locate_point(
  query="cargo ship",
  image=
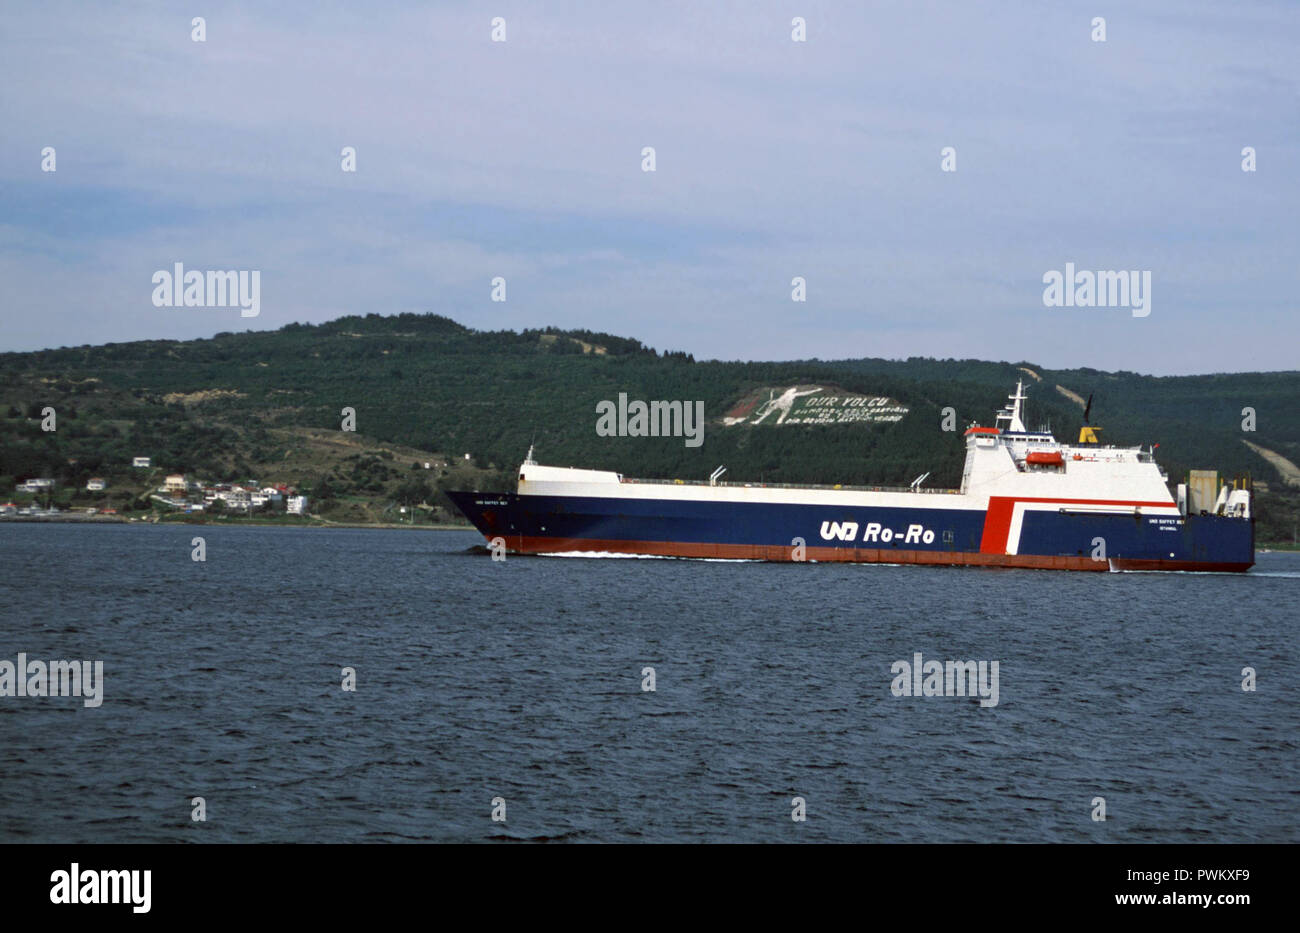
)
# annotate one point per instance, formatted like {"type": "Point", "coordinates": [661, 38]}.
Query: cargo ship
{"type": "Point", "coordinates": [1026, 500]}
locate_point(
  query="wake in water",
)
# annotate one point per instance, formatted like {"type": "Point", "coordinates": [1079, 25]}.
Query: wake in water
{"type": "Point", "coordinates": [709, 560]}
{"type": "Point", "coordinates": [482, 549]}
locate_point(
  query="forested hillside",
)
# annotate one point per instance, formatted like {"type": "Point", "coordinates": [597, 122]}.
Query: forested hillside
{"type": "Point", "coordinates": [238, 403]}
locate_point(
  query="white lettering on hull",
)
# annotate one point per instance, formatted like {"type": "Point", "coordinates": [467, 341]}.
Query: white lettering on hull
{"type": "Point", "coordinates": [876, 533]}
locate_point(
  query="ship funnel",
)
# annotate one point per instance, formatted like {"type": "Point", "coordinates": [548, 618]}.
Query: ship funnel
{"type": "Point", "coordinates": [1088, 433]}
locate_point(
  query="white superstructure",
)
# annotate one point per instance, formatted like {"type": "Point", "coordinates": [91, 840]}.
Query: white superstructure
{"type": "Point", "coordinates": [1003, 461]}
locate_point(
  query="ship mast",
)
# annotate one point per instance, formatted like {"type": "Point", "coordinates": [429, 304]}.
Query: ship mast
{"type": "Point", "coordinates": [1014, 416]}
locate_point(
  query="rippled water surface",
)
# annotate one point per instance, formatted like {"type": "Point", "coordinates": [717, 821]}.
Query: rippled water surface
{"type": "Point", "coordinates": [522, 680]}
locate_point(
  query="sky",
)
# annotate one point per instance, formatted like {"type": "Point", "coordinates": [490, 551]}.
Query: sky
{"type": "Point", "coordinates": [774, 159]}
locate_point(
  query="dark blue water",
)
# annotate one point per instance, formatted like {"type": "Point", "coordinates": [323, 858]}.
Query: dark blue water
{"type": "Point", "coordinates": [522, 680]}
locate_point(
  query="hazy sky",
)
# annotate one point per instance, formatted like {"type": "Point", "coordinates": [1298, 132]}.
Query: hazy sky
{"type": "Point", "coordinates": [774, 159]}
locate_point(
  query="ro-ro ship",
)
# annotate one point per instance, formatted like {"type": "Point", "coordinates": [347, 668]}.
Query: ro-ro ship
{"type": "Point", "coordinates": [1026, 500]}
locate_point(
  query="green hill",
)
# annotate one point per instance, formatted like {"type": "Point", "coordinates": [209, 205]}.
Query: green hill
{"type": "Point", "coordinates": [425, 388]}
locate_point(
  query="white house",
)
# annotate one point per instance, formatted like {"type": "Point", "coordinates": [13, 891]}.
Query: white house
{"type": "Point", "coordinates": [297, 505]}
{"type": "Point", "coordinates": [145, 462]}
{"type": "Point", "coordinates": [235, 497]}
{"type": "Point", "coordinates": [95, 484]}
{"type": "Point", "coordinates": [36, 485]}
{"type": "Point", "coordinates": [176, 484]}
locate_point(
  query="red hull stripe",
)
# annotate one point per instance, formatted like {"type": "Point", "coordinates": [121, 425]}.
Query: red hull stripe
{"type": "Point", "coordinates": [997, 522]}
{"type": "Point", "coordinates": [997, 525]}
{"type": "Point", "coordinates": [540, 545]}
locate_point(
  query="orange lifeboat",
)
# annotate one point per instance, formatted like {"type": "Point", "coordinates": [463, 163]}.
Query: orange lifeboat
{"type": "Point", "coordinates": [1045, 457]}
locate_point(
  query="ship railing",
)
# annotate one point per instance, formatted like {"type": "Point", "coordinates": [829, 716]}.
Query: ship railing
{"type": "Point", "coordinates": [844, 487]}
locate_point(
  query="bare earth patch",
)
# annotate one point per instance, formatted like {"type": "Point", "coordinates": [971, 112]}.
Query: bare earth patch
{"type": "Point", "coordinates": [203, 395]}
{"type": "Point", "coordinates": [1290, 472]}
{"type": "Point", "coordinates": [586, 347]}
{"type": "Point", "coordinates": [1072, 396]}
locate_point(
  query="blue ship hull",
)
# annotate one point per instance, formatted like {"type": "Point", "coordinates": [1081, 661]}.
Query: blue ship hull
{"type": "Point", "coordinates": [1051, 536]}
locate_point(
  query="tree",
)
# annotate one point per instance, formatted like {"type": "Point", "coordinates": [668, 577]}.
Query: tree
{"type": "Point", "coordinates": [412, 491]}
